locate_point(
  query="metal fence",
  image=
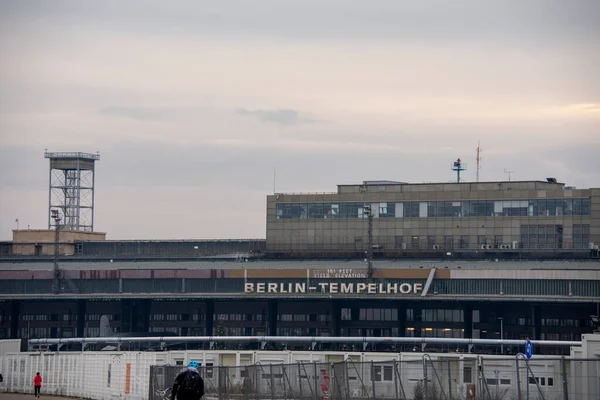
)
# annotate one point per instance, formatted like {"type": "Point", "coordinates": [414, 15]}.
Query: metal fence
{"type": "Point", "coordinates": [477, 378]}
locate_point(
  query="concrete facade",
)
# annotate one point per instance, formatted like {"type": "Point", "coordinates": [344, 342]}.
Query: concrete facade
{"type": "Point", "coordinates": [531, 216]}
{"type": "Point", "coordinates": [40, 242]}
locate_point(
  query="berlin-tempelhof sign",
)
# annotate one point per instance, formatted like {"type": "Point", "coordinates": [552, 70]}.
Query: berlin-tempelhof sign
{"type": "Point", "coordinates": [334, 288]}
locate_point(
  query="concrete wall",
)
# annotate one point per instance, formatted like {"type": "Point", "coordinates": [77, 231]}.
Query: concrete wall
{"type": "Point", "coordinates": [41, 241]}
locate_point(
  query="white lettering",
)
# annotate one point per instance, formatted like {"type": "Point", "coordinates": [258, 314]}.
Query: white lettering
{"type": "Point", "coordinates": [333, 288]}
{"type": "Point", "coordinates": [405, 288]}
{"type": "Point", "coordinates": [347, 288]}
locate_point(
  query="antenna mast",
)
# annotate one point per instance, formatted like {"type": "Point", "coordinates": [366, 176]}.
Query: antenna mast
{"type": "Point", "coordinates": [458, 166]}
{"type": "Point", "coordinates": [479, 150]}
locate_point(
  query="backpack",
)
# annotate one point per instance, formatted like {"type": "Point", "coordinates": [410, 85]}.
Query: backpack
{"type": "Point", "coordinates": [190, 384]}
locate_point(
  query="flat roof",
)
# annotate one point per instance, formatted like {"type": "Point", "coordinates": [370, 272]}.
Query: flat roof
{"type": "Point", "coordinates": [393, 183]}
{"type": "Point", "coordinates": [582, 265]}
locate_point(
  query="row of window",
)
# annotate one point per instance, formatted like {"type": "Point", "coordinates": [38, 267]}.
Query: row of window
{"type": "Point", "coordinates": [551, 236]}
{"type": "Point", "coordinates": [237, 317]}
{"type": "Point", "coordinates": [47, 317]}
{"type": "Point", "coordinates": [435, 315]}
{"type": "Point", "coordinates": [177, 317]}
{"type": "Point", "coordinates": [304, 317]}
{"type": "Point", "coordinates": [437, 209]}
{"type": "Point", "coordinates": [548, 236]}
{"type": "Point", "coordinates": [437, 332]}
{"type": "Point", "coordinates": [302, 332]}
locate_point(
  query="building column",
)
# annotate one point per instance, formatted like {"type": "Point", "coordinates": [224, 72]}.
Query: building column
{"type": "Point", "coordinates": [142, 315]}
{"type": "Point", "coordinates": [536, 317]}
{"type": "Point", "coordinates": [336, 311]}
{"type": "Point", "coordinates": [402, 319]}
{"type": "Point", "coordinates": [272, 331]}
{"type": "Point", "coordinates": [468, 321]}
{"type": "Point", "coordinates": [81, 305]}
{"type": "Point", "coordinates": [126, 315]}
{"type": "Point", "coordinates": [209, 313]}
{"type": "Point", "coordinates": [15, 308]}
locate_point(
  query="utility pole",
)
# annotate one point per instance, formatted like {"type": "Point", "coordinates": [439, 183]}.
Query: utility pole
{"type": "Point", "coordinates": [509, 173]}
{"type": "Point", "coordinates": [501, 334]}
{"type": "Point", "coordinates": [479, 150]}
{"type": "Point", "coordinates": [56, 278]}
{"type": "Point", "coordinates": [368, 212]}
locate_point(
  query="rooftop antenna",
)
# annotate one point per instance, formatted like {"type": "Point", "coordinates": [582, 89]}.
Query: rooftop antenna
{"type": "Point", "coordinates": [479, 150]}
{"type": "Point", "coordinates": [509, 173]}
{"type": "Point", "coordinates": [458, 166]}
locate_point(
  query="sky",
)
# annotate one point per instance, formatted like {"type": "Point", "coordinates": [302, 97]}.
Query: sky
{"type": "Point", "coordinates": [200, 109]}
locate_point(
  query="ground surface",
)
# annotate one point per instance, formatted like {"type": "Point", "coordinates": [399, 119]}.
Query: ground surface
{"type": "Point", "coordinates": [15, 396]}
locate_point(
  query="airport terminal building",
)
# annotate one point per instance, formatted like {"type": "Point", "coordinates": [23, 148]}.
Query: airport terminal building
{"type": "Point", "coordinates": [533, 218]}
{"type": "Point", "coordinates": [467, 260]}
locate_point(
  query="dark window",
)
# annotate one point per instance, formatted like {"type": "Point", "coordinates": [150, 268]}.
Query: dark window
{"type": "Point", "coordinates": [399, 242]}
{"type": "Point", "coordinates": [468, 374]}
{"type": "Point", "coordinates": [415, 242]}
{"type": "Point", "coordinates": [411, 210]}
{"type": "Point", "coordinates": [449, 242]}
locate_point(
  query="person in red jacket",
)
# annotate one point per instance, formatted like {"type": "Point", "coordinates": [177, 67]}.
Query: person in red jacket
{"type": "Point", "coordinates": [37, 384]}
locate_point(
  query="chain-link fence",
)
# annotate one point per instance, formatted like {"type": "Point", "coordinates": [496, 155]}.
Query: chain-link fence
{"type": "Point", "coordinates": [420, 379]}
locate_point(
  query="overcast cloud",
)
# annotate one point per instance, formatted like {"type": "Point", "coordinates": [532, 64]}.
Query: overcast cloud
{"type": "Point", "coordinates": [194, 104]}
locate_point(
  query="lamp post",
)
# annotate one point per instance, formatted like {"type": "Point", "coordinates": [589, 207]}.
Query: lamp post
{"type": "Point", "coordinates": [501, 334]}
{"type": "Point", "coordinates": [56, 278]}
{"type": "Point", "coordinates": [369, 214]}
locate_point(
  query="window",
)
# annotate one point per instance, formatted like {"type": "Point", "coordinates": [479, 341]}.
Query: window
{"type": "Point", "coordinates": [411, 210]}
{"type": "Point", "coordinates": [378, 314]}
{"type": "Point", "coordinates": [468, 374]}
{"type": "Point", "coordinates": [381, 373]}
{"type": "Point", "coordinates": [430, 241]}
{"type": "Point", "coordinates": [435, 209]}
{"type": "Point", "coordinates": [346, 314]}
{"type": "Point", "coordinates": [414, 242]}
{"type": "Point", "coordinates": [581, 236]}
{"type": "Point", "coordinates": [464, 242]}
{"type": "Point", "coordinates": [399, 242]}
{"type": "Point", "coordinates": [388, 373]}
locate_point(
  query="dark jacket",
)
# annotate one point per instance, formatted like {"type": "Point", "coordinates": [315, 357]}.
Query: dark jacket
{"type": "Point", "coordinates": [199, 391]}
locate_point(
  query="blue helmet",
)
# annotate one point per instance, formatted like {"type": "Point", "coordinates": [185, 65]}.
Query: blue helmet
{"type": "Point", "coordinates": [193, 364]}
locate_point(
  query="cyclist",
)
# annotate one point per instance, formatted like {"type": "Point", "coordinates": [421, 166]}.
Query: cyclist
{"type": "Point", "coordinates": [189, 384]}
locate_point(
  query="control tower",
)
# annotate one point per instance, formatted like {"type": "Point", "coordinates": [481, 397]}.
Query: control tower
{"type": "Point", "coordinates": [71, 190]}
